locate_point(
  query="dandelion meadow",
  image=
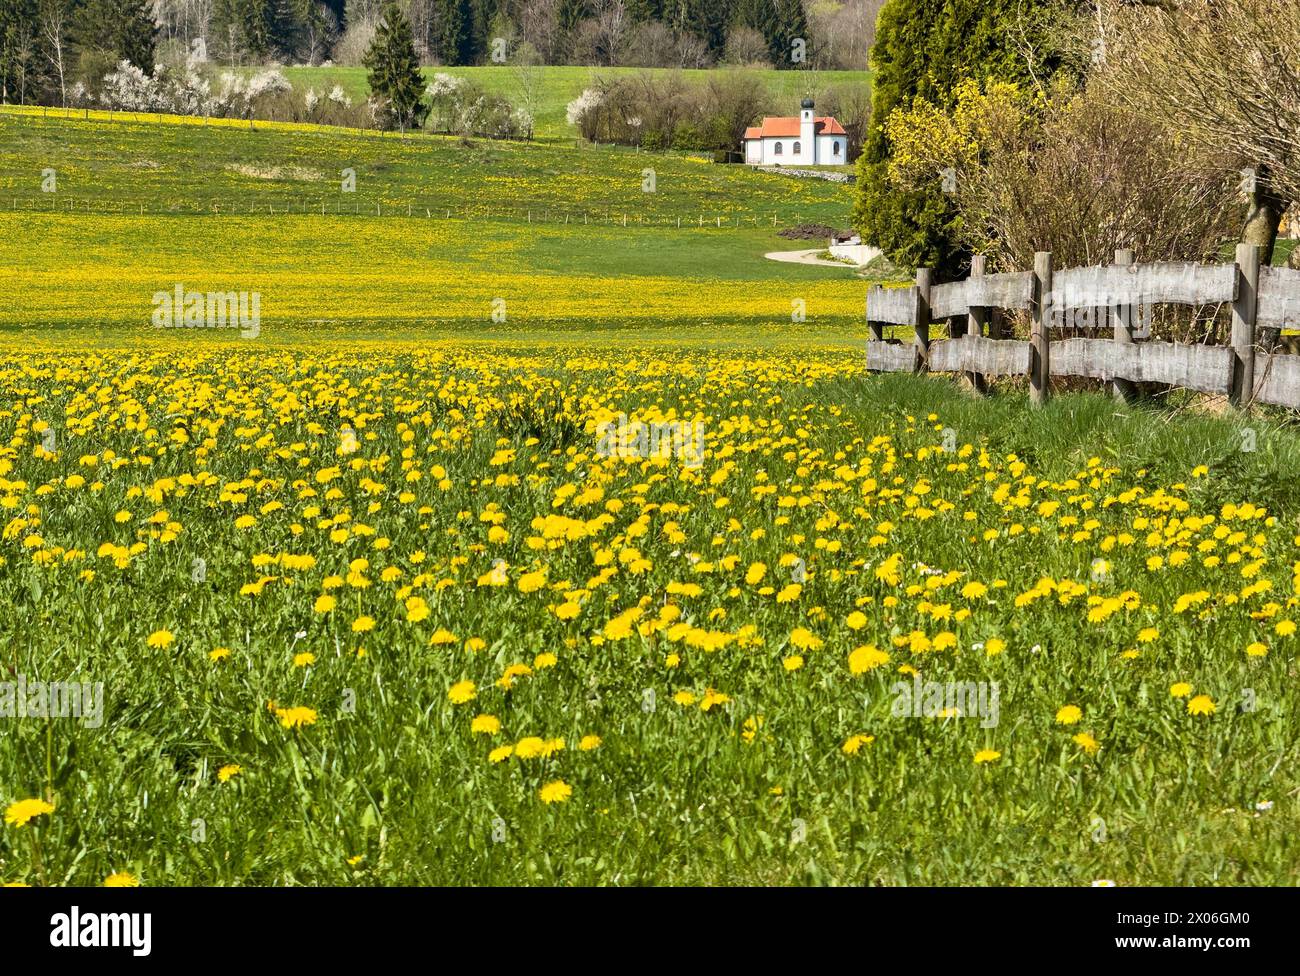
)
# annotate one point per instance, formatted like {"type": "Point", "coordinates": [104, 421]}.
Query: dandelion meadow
{"type": "Point", "coordinates": [568, 554]}
{"type": "Point", "coordinates": [385, 615]}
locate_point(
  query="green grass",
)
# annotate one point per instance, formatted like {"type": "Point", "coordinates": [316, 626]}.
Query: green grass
{"type": "Point", "coordinates": [176, 445]}
{"type": "Point", "coordinates": [129, 165]}
{"type": "Point", "coordinates": [391, 772]}
{"type": "Point", "coordinates": [557, 86]}
{"type": "Point", "coordinates": [359, 276]}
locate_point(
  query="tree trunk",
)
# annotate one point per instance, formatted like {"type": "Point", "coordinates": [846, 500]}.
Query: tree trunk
{"type": "Point", "coordinates": [1264, 216]}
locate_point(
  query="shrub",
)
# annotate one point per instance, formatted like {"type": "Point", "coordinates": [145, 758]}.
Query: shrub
{"type": "Point", "coordinates": [922, 49]}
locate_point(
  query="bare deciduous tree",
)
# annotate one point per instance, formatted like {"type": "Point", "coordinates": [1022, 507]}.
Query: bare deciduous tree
{"type": "Point", "coordinates": [539, 23]}
{"type": "Point", "coordinates": [1223, 76]}
{"type": "Point", "coordinates": [53, 16]}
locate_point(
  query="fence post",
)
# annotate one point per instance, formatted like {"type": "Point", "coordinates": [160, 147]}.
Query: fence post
{"type": "Point", "coordinates": [977, 316]}
{"type": "Point", "coordinates": [1040, 337]}
{"type": "Point", "coordinates": [976, 320]}
{"type": "Point", "coordinates": [1243, 325]}
{"type": "Point", "coordinates": [1124, 390]}
{"type": "Point", "coordinates": [923, 318]}
{"type": "Point", "coordinates": [875, 330]}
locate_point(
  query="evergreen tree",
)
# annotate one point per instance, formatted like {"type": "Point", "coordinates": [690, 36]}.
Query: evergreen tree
{"type": "Point", "coordinates": [456, 32]}
{"type": "Point", "coordinates": [923, 48]}
{"type": "Point", "coordinates": [782, 23]}
{"type": "Point", "coordinates": [642, 11]}
{"type": "Point", "coordinates": [393, 71]}
{"type": "Point", "coordinates": [570, 14]}
{"type": "Point", "coordinates": [20, 59]}
{"type": "Point", "coordinates": [708, 19]}
{"type": "Point", "coordinates": [118, 30]}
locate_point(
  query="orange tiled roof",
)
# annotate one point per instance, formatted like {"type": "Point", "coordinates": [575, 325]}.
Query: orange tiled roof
{"type": "Point", "coordinates": [788, 127]}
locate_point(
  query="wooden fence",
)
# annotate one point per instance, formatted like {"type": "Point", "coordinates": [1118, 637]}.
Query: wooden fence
{"type": "Point", "coordinates": [1263, 301]}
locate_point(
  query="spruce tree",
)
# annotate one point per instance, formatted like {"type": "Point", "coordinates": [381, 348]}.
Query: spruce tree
{"type": "Point", "coordinates": [118, 29]}
{"type": "Point", "coordinates": [781, 22]}
{"type": "Point", "coordinates": [393, 71]}
{"type": "Point", "coordinates": [456, 32]}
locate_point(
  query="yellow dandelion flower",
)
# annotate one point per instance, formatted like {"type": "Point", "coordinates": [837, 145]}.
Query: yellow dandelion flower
{"type": "Point", "coordinates": [297, 717]}
{"type": "Point", "coordinates": [461, 692]}
{"type": "Point", "coordinates": [20, 813]}
{"type": "Point", "coordinates": [1068, 715]}
{"type": "Point", "coordinates": [556, 791]}
{"type": "Point", "coordinates": [854, 743]}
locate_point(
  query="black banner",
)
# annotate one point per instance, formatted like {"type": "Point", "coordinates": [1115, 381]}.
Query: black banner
{"type": "Point", "coordinates": [313, 925]}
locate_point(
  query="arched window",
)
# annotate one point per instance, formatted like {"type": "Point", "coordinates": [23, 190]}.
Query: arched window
{"type": "Point", "coordinates": [835, 148]}
{"type": "Point", "coordinates": [797, 149]}
{"type": "Point", "coordinates": [779, 149]}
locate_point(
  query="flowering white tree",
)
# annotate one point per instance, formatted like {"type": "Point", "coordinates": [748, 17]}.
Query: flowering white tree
{"type": "Point", "coordinates": [588, 101]}
{"type": "Point", "coordinates": [128, 88]}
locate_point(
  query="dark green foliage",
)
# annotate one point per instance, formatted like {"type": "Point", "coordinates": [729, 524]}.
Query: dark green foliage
{"type": "Point", "coordinates": [923, 48]}
{"type": "Point", "coordinates": [117, 30]}
{"type": "Point", "coordinates": [20, 57]}
{"type": "Point", "coordinates": [782, 24]}
{"type": "Point", "coordinates": [456, 35]}
{"type": "Point", "coordinates": [393, 72]}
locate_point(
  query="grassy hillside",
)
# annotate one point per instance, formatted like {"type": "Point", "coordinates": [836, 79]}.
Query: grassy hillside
{"type": "Point", "coordinates": [142, 205]}
{"type": "Point", "coordinates": [557, 86]}
{"type": "Point", "coordinates": [166, 163]}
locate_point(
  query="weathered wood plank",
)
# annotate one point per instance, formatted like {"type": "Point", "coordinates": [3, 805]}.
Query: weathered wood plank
{"type": "Point", "coordinates": [976, 354]}
{"type": "Point", "coordinates": [893, 306]}
{"type": "Point", "coordinates": [1165, 283]}
{"type": "Point", "coordinates": [923, 317]}
{"type": "Point", "coordinates": [1278, 299]}
{"type": "Point", "coordinates": [948, 299]}
{"type": "Point", "coordinates": [1277, 380]}
{"type": "Point", "coordinates": [892, 357]}
{"type": "Point", "coordinates": [1013, 290]}
{"type": "Point", "coordinates": [1193, 367]}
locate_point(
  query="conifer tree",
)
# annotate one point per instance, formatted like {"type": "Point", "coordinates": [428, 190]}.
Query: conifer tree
{"type": "Point", "coordinates": [393, 71]}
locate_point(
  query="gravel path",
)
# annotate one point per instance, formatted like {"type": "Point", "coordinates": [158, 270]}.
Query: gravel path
{"type": "Point", "coordinates": [806, 257]}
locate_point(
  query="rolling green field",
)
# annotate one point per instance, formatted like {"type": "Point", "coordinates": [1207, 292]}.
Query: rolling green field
{"type": "Point", "coordinates": [160, 212]}
{"type": "Point", "coordinates": [182, 164]}
{"type": "Point", "coordinates": [568, 553]}
{"type": "Point", "coordinates": [557, 86]}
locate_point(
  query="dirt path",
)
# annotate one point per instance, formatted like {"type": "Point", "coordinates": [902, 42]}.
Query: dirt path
{"type": "Point", "coordinates": [806, 257]}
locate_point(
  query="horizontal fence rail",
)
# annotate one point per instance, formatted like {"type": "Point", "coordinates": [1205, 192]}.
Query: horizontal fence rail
{"type": "Point", "coordinates": [1119, 295]}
